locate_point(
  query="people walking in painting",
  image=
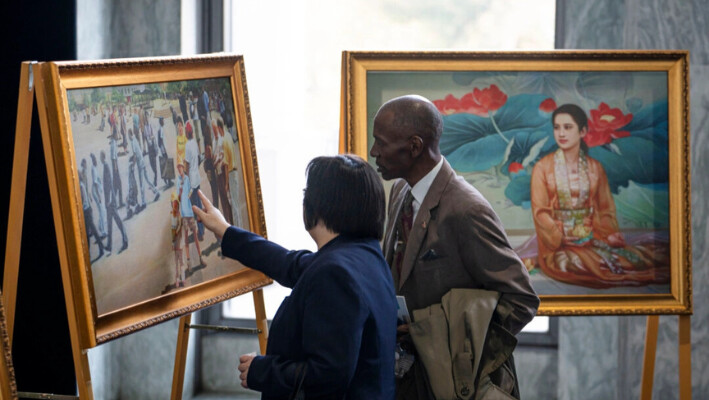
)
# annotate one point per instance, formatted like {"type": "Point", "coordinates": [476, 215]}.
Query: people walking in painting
{"type": "Point", "coordinates": [117, 186]}
{"type": "Point", "coordinates": [182, 99]}
{"type": "Point", "coordinates": [191, 165]}
{"type": "Point", "coordinates": [88, 215]}
{"type": "Point", "coordinates": [96, 189]}
{"type": "Point", "coordinates": [232, 173]}
{"type": "Point", "coordinates": [206, 126]}
{"type": "Point", "coordinates": [161, 247]}
{"type": "Point", "coordinates": [123, 127]}
{"type": "Point", "coordinates": [132, 204]}
{"type": "Point", "coordinates": [103, 118]}
{"type": "Point", "coordinates": [142, 171]}
{"type": "Point", "coordinates": [220, 169]}
{"type": "Point", "coordinates": [151, 144]}
{"type": "Point", "coordinates": [176, 235]}
{"type": "Point", "coordinates": [167, 171]}
{"type": "Point", "coordinates": [181, 140]}
{"type": "Point", "coordinates": [188, 220]}
{"type": "Point", "coordinates": [135, 117]}
{"type": "Point", "coordinates": [110, 201]}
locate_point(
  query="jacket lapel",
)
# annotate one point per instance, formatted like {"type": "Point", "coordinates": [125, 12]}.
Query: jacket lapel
{"type": "Point", "coordinates": [422, 221]}
{"type": "Point", "coordinates": [396, 201]}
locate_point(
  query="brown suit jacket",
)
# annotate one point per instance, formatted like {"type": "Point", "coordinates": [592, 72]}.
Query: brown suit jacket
{"type": "Point", "coordinates": [457, 241]}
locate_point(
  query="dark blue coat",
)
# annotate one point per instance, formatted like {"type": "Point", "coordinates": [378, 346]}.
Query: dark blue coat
{"type": "Point", "coordinates": [340, 319]}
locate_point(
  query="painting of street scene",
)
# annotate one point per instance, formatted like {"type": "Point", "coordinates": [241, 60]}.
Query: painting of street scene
{"type": "Point", "coordinates": [142, 153]}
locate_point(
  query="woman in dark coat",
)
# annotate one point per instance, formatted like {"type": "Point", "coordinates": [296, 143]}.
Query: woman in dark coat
{"type": "Point", "coordinates": [338, 326]}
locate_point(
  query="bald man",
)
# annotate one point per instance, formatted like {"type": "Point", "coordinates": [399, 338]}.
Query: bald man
{"type": "Point", "coordinates": [443, 234]}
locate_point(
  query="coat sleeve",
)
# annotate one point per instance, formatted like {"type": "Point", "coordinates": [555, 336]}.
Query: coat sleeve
{"type": "Point", "coordinates": [487, 255]}
{"type": "Point", "coordinates": [254, 251]}
{"type": "Point", "coordinates": [333, 317]}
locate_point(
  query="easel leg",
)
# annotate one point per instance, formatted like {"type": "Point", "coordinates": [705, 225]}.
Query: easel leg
{"type": "Point", "coordinates": [31, 79]}
{"type": "Point", "coordinates": [178, 376]}
{"type": "Point", "coordinates": [685, 361]}
{"type": "Point", "coordinates": [649, 358]}
{"type": "Point", "coordinates": [83, 373]}
{"type": "Point", "coordinates": [18, 187]}
{"type": "Point", "coordinates": [78, 346]}
{"type": "Point", "coordinates": [261, 321]}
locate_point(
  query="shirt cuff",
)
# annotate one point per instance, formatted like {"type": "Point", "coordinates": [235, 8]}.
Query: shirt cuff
{"type": "Point", "coordinates": [255, 373]}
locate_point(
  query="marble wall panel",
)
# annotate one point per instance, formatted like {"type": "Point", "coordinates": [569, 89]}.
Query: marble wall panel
{"type": "Point", "coordinates": [143, 28]}
{"type": "Point", "coordinates": [91, 27]}
{"type": "Point", "coordinates": [146, 362]}
{"type": "Point", "coordinates": [105, 371]}
{"type": "Point", "coordinates": [649, 24]}
{"type": "Point", "coordinates": [588, 349]}
{"type": "Point", "coordinates": [219, 360]}
{"type": "Point", "coordinates": [537, 372]}
{"type": "Point", "coordinates": [127, 28]}
{"type": "Point", "coordinates": [588, 24]}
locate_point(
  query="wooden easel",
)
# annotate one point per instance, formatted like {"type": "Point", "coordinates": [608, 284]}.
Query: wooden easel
{"type": "Point", "coordinates": [31, 88]}
{"type": "Point", "coordinates": [685, 362]}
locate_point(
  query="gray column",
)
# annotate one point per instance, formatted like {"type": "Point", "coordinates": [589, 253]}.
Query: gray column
{"type": "Point", "coordinates": [601, 357]}
{"type": "Point", "coordinates": [127, 28]}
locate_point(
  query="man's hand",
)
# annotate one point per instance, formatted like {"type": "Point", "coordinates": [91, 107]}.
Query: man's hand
{"type": "Point", "coordinates": [244, 364]}
{"type": "Point", "coordinates": [402, 329]}
{"type": "Point", "coordinates": [210, 216]}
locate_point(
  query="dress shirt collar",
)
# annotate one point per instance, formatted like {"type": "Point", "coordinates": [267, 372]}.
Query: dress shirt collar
{"type": "Point", "coordinates": [421, 187]}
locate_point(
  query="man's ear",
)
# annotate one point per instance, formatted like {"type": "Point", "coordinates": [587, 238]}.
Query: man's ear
{"type": "Point", "coordinates": [415, 146]}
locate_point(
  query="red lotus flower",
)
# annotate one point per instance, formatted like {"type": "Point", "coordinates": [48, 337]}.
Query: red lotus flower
{"type": "Point", "coordinates": [548, 105]}
{"type": "Point", "coordinates": [604, 125]}
{"type": "Point", "coordinates": [515, 167]}
{"type": "Point", "coordinates": [449, 105]}
{"type": "Point", "coordinates": [482, 102]}
{"type": "Point", "coordinates": [478, 102]}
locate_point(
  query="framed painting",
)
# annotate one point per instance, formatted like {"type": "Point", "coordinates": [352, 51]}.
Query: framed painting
{"type": "Point", "coordinates": [131, 143]}
{"type": "Point", "coordinates": [610, 232]}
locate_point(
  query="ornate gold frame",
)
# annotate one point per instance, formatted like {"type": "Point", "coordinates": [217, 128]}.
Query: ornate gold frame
{"type": "Point", "coordinates": [59, 77]}
{"type": "Point", "coordinates": [353, 138]}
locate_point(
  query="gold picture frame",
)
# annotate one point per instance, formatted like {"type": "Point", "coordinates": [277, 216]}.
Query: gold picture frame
{"type": "Point", "coordinates": [497, 106]}
{"type": "Point", "coordinates": [93, 108]}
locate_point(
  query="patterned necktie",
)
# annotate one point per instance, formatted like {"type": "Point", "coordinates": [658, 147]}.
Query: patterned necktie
{"type": "Point", "coordinates": [403, 228]}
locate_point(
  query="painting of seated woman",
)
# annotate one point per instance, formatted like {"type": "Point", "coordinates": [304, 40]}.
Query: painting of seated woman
{"type": "Point", "coordinates": [574, 163]}
{"type": "Point", "coordinates": [583, 155]}
{"type": "Point", "coordinates": [574, 214]}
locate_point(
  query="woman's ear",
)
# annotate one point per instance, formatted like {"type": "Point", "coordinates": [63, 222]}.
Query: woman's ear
{"type": "Point", "coordinates": [583, 131]}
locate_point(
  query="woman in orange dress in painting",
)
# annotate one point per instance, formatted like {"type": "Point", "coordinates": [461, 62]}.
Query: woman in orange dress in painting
{"type": "Point", "coordinates": [575, 217]}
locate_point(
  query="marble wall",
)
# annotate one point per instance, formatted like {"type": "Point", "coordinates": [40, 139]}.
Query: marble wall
{"type": "Point", "coordinates": [537, 372]}
{"type": "Point", "coordinates": [601, 357]}
{"type": "Point", "coordinates": [127, 28]}
{"type": "Point", "coordinates": [140, 366]}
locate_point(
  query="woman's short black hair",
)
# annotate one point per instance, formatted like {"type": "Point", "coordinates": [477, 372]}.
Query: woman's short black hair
{"type": "Point", "coordinates": [346, 194]}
